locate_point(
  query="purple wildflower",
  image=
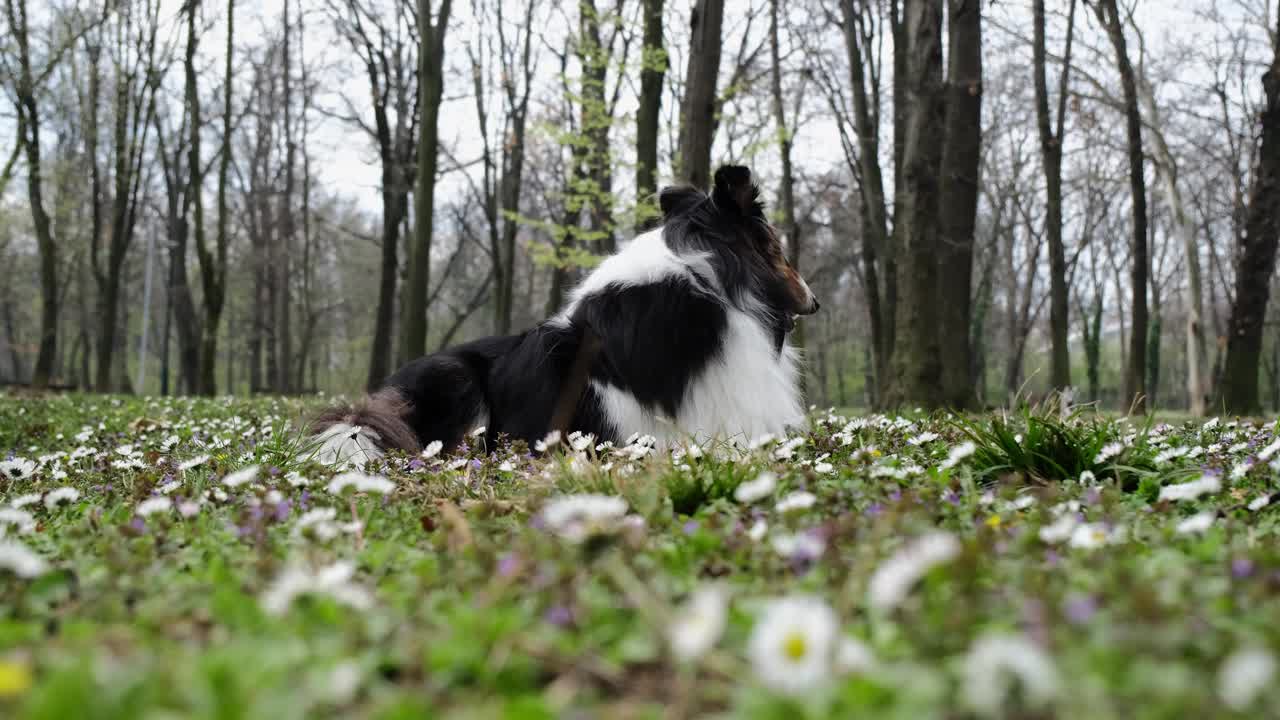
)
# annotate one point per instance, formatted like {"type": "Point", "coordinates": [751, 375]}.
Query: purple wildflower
{"type": "Point", "coordinates": [1079, 609]}
{"type": "Point", "coordinates": [1241, 568]}
{"type": "Point", "coordinates": [559, 615]}
{"type": "Point", "coordinates": [508, 565]}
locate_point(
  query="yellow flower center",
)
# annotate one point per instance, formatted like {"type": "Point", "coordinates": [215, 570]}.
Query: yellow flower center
{"type": "Point", "coordinates": [794, 646]}
{"type": "Point", "coordinates": [15, 678]}
{"type": "Point", "coordinates": [993, 521]}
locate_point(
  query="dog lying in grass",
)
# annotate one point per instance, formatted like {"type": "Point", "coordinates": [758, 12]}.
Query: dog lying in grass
{"type": "Point", "coordinates": [682, 333]}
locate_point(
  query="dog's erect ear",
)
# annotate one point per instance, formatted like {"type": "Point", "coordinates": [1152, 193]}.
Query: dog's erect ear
{"type": "Point", "coordinates": [676, 199]}
{"type": "Point", "coordinates": [733, 189]}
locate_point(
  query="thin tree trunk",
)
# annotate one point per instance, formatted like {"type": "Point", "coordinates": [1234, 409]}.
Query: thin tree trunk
{"type": "Point", "coordinates": [877, 250]}
{"type": "Point", "coordinates": [28, 113]}
{"type": "Point", "coordinates": [284, 325]}
{"type": "Point", "coordinates": [788, 224]}
{"type": "Point", "coordinates": [698, 108]}
{"type": "Point", "coordinates": [1134, 397]}
{"type": "Point", "coordinates": [1257, 259]}
{"type": "Point", "coordinates": [1167, 173]}
{"type": "Point", "coordinates": [653, 68]}
{"type": "Point", "coordinates": [430, 90]}
{"type": "Point", "coordinates": [517, 106]}
{"type": "Point", "coordinates": [958, 197]}
{"type": "Point", "coordinates": [1051, 155]}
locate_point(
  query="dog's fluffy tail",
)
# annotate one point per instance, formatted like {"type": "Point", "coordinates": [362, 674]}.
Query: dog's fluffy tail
{"type": "Point", "coordinates": [352, 435]}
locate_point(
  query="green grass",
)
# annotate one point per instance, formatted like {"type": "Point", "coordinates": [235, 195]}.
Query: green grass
{"type": "Point", "coordinates": [462, 602]}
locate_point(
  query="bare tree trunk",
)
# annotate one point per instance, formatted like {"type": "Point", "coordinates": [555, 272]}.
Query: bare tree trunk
{"type": "Point", "coordinates": [213, 268]}
{"type": "Point", "coordinates": [179, 304]}
{"type": "Point", "coordinates": [698, 108]}
{"type": "Point", "coordinates": [1257, 259]}
{"type": "Point", "coordinates": [430, 90]}
{"type": "Point", "coordinates": [1134, 397]}
{"type": "Point", "coordinates": [958, 201]}
{"type": "Point", "coordinates": [917, 353]}
{"type": "Point", "coordinates": [283, 311]}
{"type": "Point", "coordinates": [788, 224]}
{"type": "Point", "coordinates": [596, 119]}
{"type": "Point", "coordinates": [653, 68]}
{"type": "Point", "coordinates": [28, 113]}
{"type": "Point", "coordinates": [135, 91]}
{"type": "Point", "coordinates": [517, 110]}
{"type": "Point", "coordinates": [877, 249]}
{"type": "Point", "coordinates": [1167, 172]}
{"type": "Point", "coordinates": [1051, 154]}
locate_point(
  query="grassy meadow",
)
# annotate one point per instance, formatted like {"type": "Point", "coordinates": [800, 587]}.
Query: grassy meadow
{"type": "Point", "coordinates": [184, 558]}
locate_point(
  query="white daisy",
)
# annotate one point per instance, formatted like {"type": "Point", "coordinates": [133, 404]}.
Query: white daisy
{"type": "Point", "coordinates": [432, 449]}
{"type": "Point", "coordinates": [154, 505]}
{"type": "Point", "coordinates": [578, 517]}
{"type": "Point", "coordinates": [1245, 675]}
{"type": "Point", "coordinates": [17, 468]}
{"type": "Point", "coordinates": [753, 490]}
{"type": "Point", "coordinates": [1198, 523]}
{"type": "Point", "coordinates": [793, 643]}
{"type": "Point", "coordinates": [24, 500]}
{"type": "Point", "coordinates": [61, 495]}
{"type": "Point", "coordinates": [800, 546]}
{"type": "Point", "coordinates": [788, 449]}
{"type": "Point", "coordinates": [699, 624]}
{"type": "Point", "coordinates": [21, 520]}
{"type": "Point", "coordinates": [758, 530]}
{"type": "Point", "coordinates": [21, 560]}
{"type": "Point", "coordinates": [551, 440]}
{"type": "Point", "coordinates": [957, 455]}
{"type": "Point", "coordinates": [240, 477]}
{"type": "Point", "coordinates": [1207, 484]}
{"type": "Point", "coordinates": [1107, 452]}
{"type": "Point", "coordinates": [333, 581]}
{"type": "Point", "coordinates": [799, 500]}
{"type": "Point", "coordinates": [359, 482]}
{"type": "Point", "coordinates": [1089, 536]}
{"type": "Point", "coordinates": [193, 463]}
{"type": "Point", "coordinates": [1259, 502]}
{"type": "Point", "coordinates": [895, 577]}
{"type": "Point", "coordinates": [854, 657]}
{"type": "Point", "coordinates": [997, 662]}
{"type": "Point", "coordinates": [1059, 530]}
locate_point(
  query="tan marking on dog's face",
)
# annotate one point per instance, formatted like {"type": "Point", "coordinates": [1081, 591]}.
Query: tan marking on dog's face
{"type": "Point", "coordinates": [799, 297]}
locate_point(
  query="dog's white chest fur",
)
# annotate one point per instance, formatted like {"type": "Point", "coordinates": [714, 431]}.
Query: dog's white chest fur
{"type": "Point", "coordinates": [746, 391]}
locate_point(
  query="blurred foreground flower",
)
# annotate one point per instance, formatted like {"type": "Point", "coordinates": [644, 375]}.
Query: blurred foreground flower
{"type": "Point", "coordinates": [579, 517]}
{"type": "Point", "coordinates": [1208, 483]}
{"type": "Point", "coordinates": [15, 678]}
{"type": "Point", "coordinates": [21, 560]}
{"type": "Point", "coordinates": [1245, 675]}
{"type": "Point", "coordinates": [359, 482]}
{"type": "Point", "coordinates": [996, 663]}
{"type": "Point", "coordinates": [758, 489]}
{"type": "Point", "coordinates": [897, 575]}
{"type": "Point", "coordinates": [699, 623]}
{"type": "Point", "coordinates": [333, 581]}
{"type": "Point", "coordinates": [793, 644]}
{"type": "Point", "coordinates": [17, 468]}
